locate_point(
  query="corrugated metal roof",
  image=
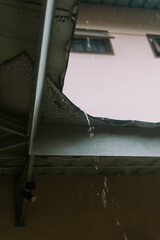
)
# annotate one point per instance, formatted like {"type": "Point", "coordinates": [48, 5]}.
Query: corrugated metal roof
{"type": "Point", "coordinates": [56, 108]}
{"type": "Point", "coordinates": [150, 4]}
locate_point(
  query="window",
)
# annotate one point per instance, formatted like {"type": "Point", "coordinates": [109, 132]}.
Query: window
{"type": "Point", "coordinates": [92, 41]}
{"type": "Point", "coordinates": [155, 44]}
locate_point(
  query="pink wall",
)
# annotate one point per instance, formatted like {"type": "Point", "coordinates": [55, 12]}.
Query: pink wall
{"type": "Point", "coordinates": [124, 85]}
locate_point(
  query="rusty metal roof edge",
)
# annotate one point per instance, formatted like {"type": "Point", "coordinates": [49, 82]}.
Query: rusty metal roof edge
{"type": "Point", "coordinates": [129, 123]}
{"type": "Point", "coordinates": [110, 122]}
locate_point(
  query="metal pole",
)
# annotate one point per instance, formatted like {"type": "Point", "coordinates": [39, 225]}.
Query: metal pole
{"type": "Point", "coordinates": [42, 68]}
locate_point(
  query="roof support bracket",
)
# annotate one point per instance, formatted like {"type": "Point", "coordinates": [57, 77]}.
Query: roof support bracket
{"type": "Point", "coordinates": [23, 191]}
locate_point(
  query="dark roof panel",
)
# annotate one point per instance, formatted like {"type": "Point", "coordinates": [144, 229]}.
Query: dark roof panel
{"type": "Point", "coordinates": [150, 4]}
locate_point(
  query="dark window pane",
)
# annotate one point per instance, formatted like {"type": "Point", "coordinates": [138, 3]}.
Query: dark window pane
{"type": "Point", "coordinates": [155, 44]}
{"type": "Point", "coordinates": [158, 41]}
{"type": "Point", "coordinates": [91, 45]}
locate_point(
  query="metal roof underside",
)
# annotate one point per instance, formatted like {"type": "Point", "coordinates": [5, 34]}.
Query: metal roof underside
{"type": "Point", "coordinates": [41, 131]}
{"type": "Point", "coordinates": [18, 75]}
{"type": "Point", "coordinates": [149, 4]}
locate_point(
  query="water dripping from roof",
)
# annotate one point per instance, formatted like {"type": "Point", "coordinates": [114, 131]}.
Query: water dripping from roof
{"type": "Point", "coordinates": [125, 236]}
{"type": "Point", "coordinates": [96, 162]}
{"type": "Point", "coordinates": [104, 193]}
{"type": "Point", "coordinates": [96, 167]}
{"type": "Point", "coordinates": [88, 42]}
{"type": "Point", "coordinates": [157, 15]}
{"type": "Point", "coordinates": [118, 222]}
{"type": "Point", "coordinates": [90, 128]}
{"type": "Point", "coordinates": [103, 196]}
{"type": "Point", "coordinates": [105, 184]}
{"type": "Point", "coordinates": [91, 135]}
{"type": "Point", "coordinates": [87, 22]}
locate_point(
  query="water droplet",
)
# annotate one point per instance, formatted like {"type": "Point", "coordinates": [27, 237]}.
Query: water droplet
{"type": "Point", "coordinates": [105, 182]}
{"type": "Point", "coordinates": [96, 162]}
{"type": "Point", "coordinates": [88, 42]}
{"type": "Point", "coordinates": [118, 222]}
{"type": "Point", "coordinates": [96, 167]}
{"type": "Point", "coordinates": [104, 201]}
{"type": "Point", "coordinates": [91, 135]}
{"type": "Point", "coordinates": [125, 236]}
{"type": "Point", "coordinates": [90, 129]}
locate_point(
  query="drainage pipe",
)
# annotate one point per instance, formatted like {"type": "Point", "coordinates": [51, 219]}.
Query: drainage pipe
{"type": "Point", "coordinates": [48, 22]}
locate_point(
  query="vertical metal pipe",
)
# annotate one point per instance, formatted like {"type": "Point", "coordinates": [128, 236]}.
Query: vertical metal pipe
{"type": "Point", "coordinates": [48, 19]}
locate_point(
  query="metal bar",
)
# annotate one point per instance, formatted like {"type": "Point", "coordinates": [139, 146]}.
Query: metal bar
{"type": "Point", "coordinates": [42, 69]}
{"type": "Point", "coordinates": [26, 175]}
{"type": "Point", "coordinates": [21, 203]}
{"type": "Point", "coordinates": [92, 33]}
{"type": "Point", "coordinates": [107, 142]}
{"type": "Point", "coordinates": [4, 135]}
{"type": "Point", "coordinates": [13, 131]}
{"type": "Point", "coordinates": [156, 44]}
{"type": "Point", "coordinates": [12, 155]}
{"type": "Point", "coordinates": [13, 125]}
{"type": "Point", "coordinates": [13, 146]}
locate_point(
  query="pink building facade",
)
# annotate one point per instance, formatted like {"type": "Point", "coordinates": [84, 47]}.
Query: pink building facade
{"type": "Point", "coordinates": [124, 85]}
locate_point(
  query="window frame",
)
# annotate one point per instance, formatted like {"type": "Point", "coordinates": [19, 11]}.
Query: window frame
{"type": "Point", "coordinates": [154, 45]}
{"type": "Point", "coordinates": [94, 34]}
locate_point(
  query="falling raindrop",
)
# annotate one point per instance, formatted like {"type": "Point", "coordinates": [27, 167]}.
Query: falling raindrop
{"type": "Point", "coordinates": [104, 201]}
{"type": "Point", "coordinates": [118, 222]}
{"type": "Point", "coordinates": [88, 42]}
{"type": "Point", "coordinates": [87, 22]}
{"type": "Point", "coordinates": [125, 236]}
{"type": "Point", "coordinates": [96, 167]}
{"type": "Point", "coordinates": [91, 135]}
{"type": "Point", "coordinates": [157, 15]}
{"type": "Point", "coordinates": [90, 129]}
{"type": "Point", "coordinates": [96, 162]}
{"type": "Point", "coordinates": [105, 182]}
